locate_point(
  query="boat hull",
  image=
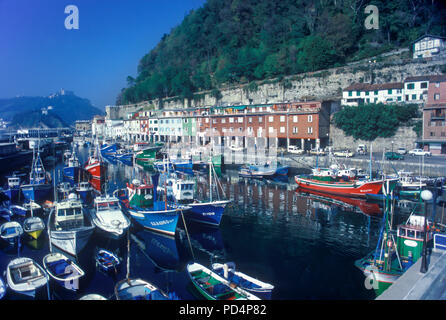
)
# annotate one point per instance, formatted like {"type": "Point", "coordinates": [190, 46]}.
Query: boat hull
{"type": "Point", "coordinates": [71, 174]}
{"type": "Point", "coordinates": [37, 192]}
{"type": "Point", "coordinates": [344, 188]}
{"type": "Point", "coordinates": [71, 242]}
{"type": "Point", "coordinates": [209, 213]}
{"type": "Point", "coordinates": [159, 221]}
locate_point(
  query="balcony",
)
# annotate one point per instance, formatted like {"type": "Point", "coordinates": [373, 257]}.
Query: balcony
{"type": "Point", "coordinates": [438, 117]}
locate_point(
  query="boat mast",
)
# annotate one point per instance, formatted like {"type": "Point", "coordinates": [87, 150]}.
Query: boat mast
{"type": "Point", "coordinates": [370, 163]}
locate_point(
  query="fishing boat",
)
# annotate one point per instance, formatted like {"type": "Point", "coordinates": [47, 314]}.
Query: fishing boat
{"type": "Point", "coordinates": [108, 149]}
{"type": "Point", "coordinates": [97, 169]}
{"type": "Point", "coordinates": [241, 280]}
{"type": "Point", "coordinates": [25, 276]}
{"type": "Point", "coordinates": [39, 186]}
{"type": "Point", "coordinates": [72, 171]}
{"type": "Point", "coordinates": [146, 156]}
{"type": "Point", "coordinates": [262, 171]}
{"type": "Point", "coordinates": [107, 261]}
{"type": "Point", "coordinates": [85, 191]}
{"type": "Point", "coordinates": [124, 155]}
{"type": "Point", "coordinates": [179, 190]}
{"type": "Point", "coordinates": [11, 231]}
{"type": "Point", "coordinates": [139, 201]}
{"type": "Point", "coordinates": [214, 287]}
{"type": "Point", "coordinates": [34, 226]}
{"type": "Point", "coordinates": [208, 211]}
{"type": "Point", "coordinates": [326, 180]}
{"type": "Point", "coordinates": [2, 288]}
{"type": "Point", "coordinates": [12, 188]}
{"type": "Point", "coordinates": [396, 250]}
{"type": "Point", "coordinates": [107, 215]}
{"type": "Point", "coordinates": [69, 226]}
{"type": "Point", "coordinates": [63, 270]}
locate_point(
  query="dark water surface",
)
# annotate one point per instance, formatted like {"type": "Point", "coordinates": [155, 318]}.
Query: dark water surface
{"type": "Point", "coordinates": [305, 245]}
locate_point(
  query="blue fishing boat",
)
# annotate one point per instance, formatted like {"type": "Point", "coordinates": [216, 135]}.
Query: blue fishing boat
{"type": "Point", "coordinates": [72, 171]}
{"type": "Point", "coordinates": [139, 200]}
{"type": "Point", "coordinates": [108, 149]}
{"type": "Point", "coordinates": [12, 188]}
{"type": "Point", "coordinates": [208, 211]}
{"type": "Point", "coordinates": [124, 155]}
{"type": "Point", "coordinates": [39, 186]}
{"type": "Point", "coordinates": [85, 191]}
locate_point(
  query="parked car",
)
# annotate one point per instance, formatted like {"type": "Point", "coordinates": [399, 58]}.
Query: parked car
{"type": "Point", "coordinates": [344, 153]}
{"type": "Point", "coordinates": [319, 152]}
{"type": "Point", "coordinates": [393, 156]}
{"type": "Point", "coordinates": [419, 152]}
{"type": "Point", "coordinates": [361, 149]}
{"type": "Point", "coordinates": [401, 150]}
{"type": "Point", "coordinates": [295, 150]}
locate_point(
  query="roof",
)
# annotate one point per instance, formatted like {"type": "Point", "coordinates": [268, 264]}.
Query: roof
{"type": "Point", "coordinates": [428, 35]}
{"type": "Point", "coordinates": [431, 78]}
{"type": "Point", "coordinates": [373, 87]}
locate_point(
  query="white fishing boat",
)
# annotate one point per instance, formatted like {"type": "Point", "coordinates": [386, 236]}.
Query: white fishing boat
{"type": "Point", "coordinates": [25, 276]}
{"type": "Point", "coordinates": [63, 270]}
{"type": "Point", "coordinates": [108, 216]}
{"type": "Point", "coordinates": [69, 226]}
{"type": "Point", "coordinates": [239, 279]}
{"type": "Point", "coordinates": [10, 231]}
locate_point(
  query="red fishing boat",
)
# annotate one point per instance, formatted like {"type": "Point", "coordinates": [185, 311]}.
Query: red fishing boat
{"type": "Point", "coordinates": [326, 180]}
{"type": "Point", "coordinates": [97, 170]}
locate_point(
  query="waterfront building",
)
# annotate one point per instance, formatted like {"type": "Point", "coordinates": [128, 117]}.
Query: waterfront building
{"type": "Point", "coordinates": [98, 127]}
{"type": "Point", "coordinates": [83, 125]}
{"type": "Point", "coordinates": [434, 117]}
{"type": "Point", "coordinates": [363, 93]}
{"type": "Point", "coordinates": [428, 46]}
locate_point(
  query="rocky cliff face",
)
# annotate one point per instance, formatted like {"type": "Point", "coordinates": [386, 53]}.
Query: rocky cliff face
{"type": "Point", "coordinates": [320, 85]}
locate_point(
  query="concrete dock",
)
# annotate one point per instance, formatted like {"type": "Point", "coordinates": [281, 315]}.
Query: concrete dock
{"type": "Point", "coordinates": [414, 285]}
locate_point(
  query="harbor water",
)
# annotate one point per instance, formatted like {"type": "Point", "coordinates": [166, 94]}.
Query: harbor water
{"type": "Point", "coordinates": [304, 244]}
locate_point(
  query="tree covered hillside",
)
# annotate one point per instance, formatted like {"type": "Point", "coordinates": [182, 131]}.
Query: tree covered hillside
{"type": "Point", "coordinates": [237, 41]}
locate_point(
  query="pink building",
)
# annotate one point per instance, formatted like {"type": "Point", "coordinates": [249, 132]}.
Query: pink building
{"type": "Point", "coordinates": [434, 116]}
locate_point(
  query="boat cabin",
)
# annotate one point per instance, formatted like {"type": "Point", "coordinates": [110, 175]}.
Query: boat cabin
{"type": "Point", "coordinates": [13, 182]}
{"type": "Point", "coordinates": [69, 214]}
{"type": "Point", "coordinates": [140, 195]}
{"type": "Point", "coordinates": [106, 203]}
{"type": "Point", "coordinates": [410, 238]}
{"type": "Point", "coordinates": [84, 186]}
{"type": "Point", "coordinates": [181, 189]}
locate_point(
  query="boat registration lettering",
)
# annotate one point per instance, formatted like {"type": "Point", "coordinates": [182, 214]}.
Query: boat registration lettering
{"type": "Point", "coordinates": [410, 243]}
{"type": "Point", "coordinates": [162, 222]}
{"type": "Point", "coordinates": [209, 213]}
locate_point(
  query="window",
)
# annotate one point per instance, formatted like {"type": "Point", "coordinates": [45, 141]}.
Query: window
{"type": "Point", "coordinates": [260, 119]}
{"type": "Point", "coordinates": [423, 85]}
{"type": "Point", "coordinates": [407, 97]}
{"type": "Point", "coordinates": [207, 120]}
{"type": "Point", "coordinates": [271, 119]}
{"type": "Point", "coordinates": [410, 86]}
{"type": "Point", "coordinates": [240, 129]}
{"type": "Point", "coordinates": [437, 84]}
{"type": "Point", "coordinates": [231, 120]}
{"type": "Point", "coordinates": [214, 120]}
{"type": "Point", "coordinates": [282, 129]}
{"type": "Point", "coordinates": [432, 134]}
{"type": "Point", "coordinates": [414, 97]}
{"type": "Point", "coordinates": [249, 129]}
{"type": "Point", "coordinates": [240, 120]}
{"type": "Point", "coordinates": [376, 92]}
{"type": "Point", "coordinates": [282, 118]}
{"type": "Point", "coordinates": [310, 118]}
{"type": "Point", "coordinates": [437, 96]}
{"type": "Point", "coordinates": [231, 129]}
{"type": "Point", "coordinates": [350, 93]}
{"type": "Point", "coordinates": [295, 130]}
{"type": "Point", "coordinates": [295, 119]}
{"type": "Point", "coordinates": [223, 120]}
{"type": "Point", "coordinates": [389, 91]}
{"type": "Point", "coordinates": [250, 119]}
{"type": "Point", "coordinates": [358, 93]}
{"type": "Point", "coordinates": [310, 130]}
{"type": "Point", "coordinates": [366, 93]}
{"type": "Point", "coordinates": [399, 98]}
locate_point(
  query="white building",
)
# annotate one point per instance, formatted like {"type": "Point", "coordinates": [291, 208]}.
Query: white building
{"type": "Point", "coordinates": [98, 127]}
{"type": "Point", "coordinates": [361, 93]}
{"type": "Point", "coordinates": [428, 46]}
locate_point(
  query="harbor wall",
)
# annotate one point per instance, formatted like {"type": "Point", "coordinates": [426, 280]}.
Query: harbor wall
{"type": "Point", "coordinates": [404, 137]}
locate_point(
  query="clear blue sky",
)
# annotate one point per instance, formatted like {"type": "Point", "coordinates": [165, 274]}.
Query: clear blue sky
{"type": "Point", "coordinates": [38, 55]}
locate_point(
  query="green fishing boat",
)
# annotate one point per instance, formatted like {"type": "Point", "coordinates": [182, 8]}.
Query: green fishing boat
{"type": "Point", "coordinates": [214, 287]}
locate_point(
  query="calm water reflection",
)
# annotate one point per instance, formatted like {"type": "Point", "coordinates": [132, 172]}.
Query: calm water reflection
{"type": "Point", "coordinates": [304, 244]}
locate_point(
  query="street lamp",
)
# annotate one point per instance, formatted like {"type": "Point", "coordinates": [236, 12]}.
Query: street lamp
{"type": "Point", "coordinates": [426, 195]}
